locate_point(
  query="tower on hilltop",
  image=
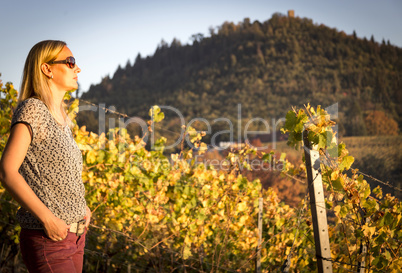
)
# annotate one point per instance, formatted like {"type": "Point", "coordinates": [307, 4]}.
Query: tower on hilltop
{"type": "Point", "coordinates": [291, 13]}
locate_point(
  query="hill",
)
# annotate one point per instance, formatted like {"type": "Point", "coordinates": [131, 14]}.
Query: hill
{"type": "Point", "coordinates": [267, 67]}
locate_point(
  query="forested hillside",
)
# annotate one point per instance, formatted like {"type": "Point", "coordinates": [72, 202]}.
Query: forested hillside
{"type": "Point", "coordinates": [267, 67]}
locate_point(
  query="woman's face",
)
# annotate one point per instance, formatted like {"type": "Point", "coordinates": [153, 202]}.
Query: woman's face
{"type": "Point", "coordinates": [64, 77]}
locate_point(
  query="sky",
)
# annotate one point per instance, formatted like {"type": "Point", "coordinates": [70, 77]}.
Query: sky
{"type": "Point", "coordinates": [105, 34]}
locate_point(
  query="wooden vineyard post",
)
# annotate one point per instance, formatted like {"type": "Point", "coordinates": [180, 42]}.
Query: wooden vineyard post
{"type": "Point", "coordinates": [318, 210]}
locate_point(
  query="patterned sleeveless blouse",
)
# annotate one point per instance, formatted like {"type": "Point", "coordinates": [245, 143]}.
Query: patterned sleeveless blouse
{"type": "Point", "coordinates": [52, 166]}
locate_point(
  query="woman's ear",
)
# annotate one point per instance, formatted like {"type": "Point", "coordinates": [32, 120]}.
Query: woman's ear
{"type": "Point", "coordinates": [47, 70]}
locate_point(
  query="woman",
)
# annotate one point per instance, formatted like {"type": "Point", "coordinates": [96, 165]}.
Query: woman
{"type": "Point", "coordinates": [41, 164]}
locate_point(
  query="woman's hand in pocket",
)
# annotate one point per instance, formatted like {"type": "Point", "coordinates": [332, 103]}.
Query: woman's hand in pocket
{"type": "Point", "coordinates": [56, 229]}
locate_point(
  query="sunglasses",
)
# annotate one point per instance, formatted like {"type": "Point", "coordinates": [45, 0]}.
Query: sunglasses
{"type": "Point", "coordinates": [69, 61]}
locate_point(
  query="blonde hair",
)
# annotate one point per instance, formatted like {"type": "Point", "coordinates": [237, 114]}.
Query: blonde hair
{"type": "Point", "coordinates": [34, 82]}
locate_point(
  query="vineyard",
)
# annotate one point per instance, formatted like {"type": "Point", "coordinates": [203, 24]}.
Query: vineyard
{"type": "Point", "coordinates": [154, 212]}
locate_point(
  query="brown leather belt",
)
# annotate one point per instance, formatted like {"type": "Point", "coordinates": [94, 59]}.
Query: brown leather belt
{"type": "Point", "coordinates": [78, 228]}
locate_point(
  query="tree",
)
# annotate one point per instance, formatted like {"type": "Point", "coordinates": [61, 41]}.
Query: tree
{"type": "Point", "coordinates": [175, 43]}
{"type": "Point", "coordinates": [378, 123]}
{"type": "Point", "coordinates": [196, 38]}
{"type": "Point", "coordinates": [163, 44]}
{"type": "Point", "coordinates": [128, 64]}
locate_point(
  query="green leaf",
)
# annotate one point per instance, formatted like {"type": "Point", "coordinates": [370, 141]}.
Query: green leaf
{"type": "Point", "coordinates": [325, 139]}
{"type": "Point", "coordinates": [382, 238]}
{"type": "Point", "coordinates": [91, 157]}
{"type": "Point", "coordinates": [365, 192]}
{"type": "Point", "coordinates": [341, 148]}
{"type": "Point", "coordinates": [159, 117]}
{"type": "Point", "coordinates": [346, 163]}
{"type": "Point", "coordinates": [268, 157]}
{"type": "Point", "coordinates": [186, 252]}
{"type": "Point", "coordinates": [279, 223]}
{"type": "Point", "coordinates": [378, 192]}
{"type": "Point", "coordinates": [101, 156]}
{"type": "Point", "coordinates": [299, 127]}
{"type": "Point", "coordinates": [313, 137]}
{"type": "Point", "coordinates": [201, 215]}
{"type": "Point", "coordinates": [388, 219]}
{"type": "Point", "coordinates": [193, 202]}
{"type": "Point", "coordinates": [344, 211]}
{"type": "Point", "coordinates": [370, 205]}
{"type": "Point", "coordinates": [338, 184]}
{"type": "Point", "coordinates": [290, 122]}
{"type": "Point", "coordinates": [380, 262]}
{"type": "Point", "coordinates": [186, 190]}
{"type": "Point", "coordinates": [156, 114]}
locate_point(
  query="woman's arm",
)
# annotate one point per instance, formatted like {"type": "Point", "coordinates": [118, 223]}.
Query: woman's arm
{"type": "Point", "coordinates": [88, 217]}
{"type": "Point", "coordinates": [11, 160]}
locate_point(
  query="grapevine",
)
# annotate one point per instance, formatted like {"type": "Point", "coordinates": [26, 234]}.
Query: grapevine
{"type": "Point", "coordinates": [170, 213]}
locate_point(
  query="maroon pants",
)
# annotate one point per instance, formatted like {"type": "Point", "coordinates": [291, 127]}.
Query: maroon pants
{"type": "Point", "coordinates": [41, 254]}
